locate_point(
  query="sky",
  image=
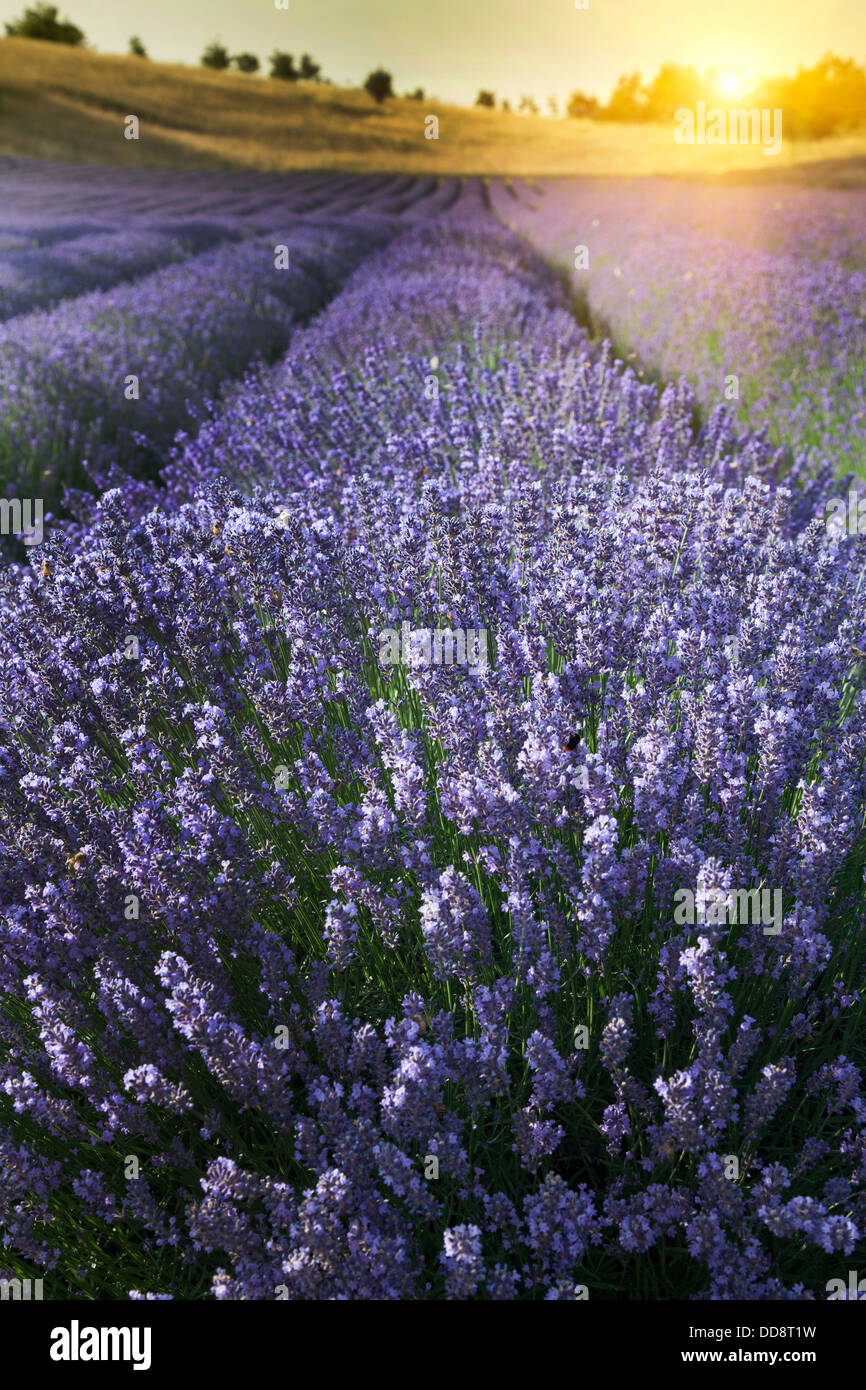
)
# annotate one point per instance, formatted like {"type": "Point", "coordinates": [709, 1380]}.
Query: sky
{"type": "Point", "coordinates": [453, 48]}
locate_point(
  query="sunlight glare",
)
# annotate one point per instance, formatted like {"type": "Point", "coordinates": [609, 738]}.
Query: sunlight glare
{"type": "Point", "coordinates": [731, 84]}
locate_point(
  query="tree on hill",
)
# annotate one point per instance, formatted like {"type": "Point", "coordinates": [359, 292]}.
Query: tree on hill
{"type": "Point", "coordinates": [628, 100]}
{"type": "Point", "coordinates": [580, 105]}
{"type": "Point", "coordinates": [485, 99]}
{"type": "Point", "coordinates": [246, 62]}
{"type": "Point", "coordinates": [827, 97]}
{"type": "Point", "coordinates": [215, 56]}
{"type": "Point", "coordinates": [137, 48]}
{"type": "Point", "coordinates": [671, 88]}
{"type": "Point", "coordinates": [41, 22]}
{"type": "Point", "coordinates": [310, 71]}
{"type": "Point", "coordinates": [379, 85]}
{"type": "Point", "coordinates": [529, 106]}
{"type": "Point", "coordinates": [283, 66]}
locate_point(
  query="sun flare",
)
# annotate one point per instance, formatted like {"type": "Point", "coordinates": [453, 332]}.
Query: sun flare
{"type": "Point", "coordinates": [731, 84]}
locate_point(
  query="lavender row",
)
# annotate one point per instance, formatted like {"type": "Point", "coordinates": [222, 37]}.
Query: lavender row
{"type": "Point", "coordinates": [36, 278]}
{"type": "Point", "coordinates": [757, 296]}
{"type": "Point", "coordinates": [334, 970]}
{"type": "Point", "coordinates": [108, 378]}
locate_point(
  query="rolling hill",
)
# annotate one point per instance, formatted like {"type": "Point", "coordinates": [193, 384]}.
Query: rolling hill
{"type": "Point", "coordinates": [69, 104]}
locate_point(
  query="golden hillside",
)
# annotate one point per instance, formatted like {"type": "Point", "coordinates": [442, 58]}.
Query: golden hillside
{"type": "Point", "coordinates": [68, 104]}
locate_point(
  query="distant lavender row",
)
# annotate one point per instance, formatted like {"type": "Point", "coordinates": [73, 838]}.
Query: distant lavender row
{"type": "Point", "coordinates": [33, 191]}
{"type": "Point", "coordinates": [108, 378]}
{"type": "Point", "coordinates": [28, 235]}
{"type": "Point", "coordinates": [38, 277]}
{"type": "Point", "coordinates": [768, 286]}
{"type": "Point", "coordinates": [374, 970]}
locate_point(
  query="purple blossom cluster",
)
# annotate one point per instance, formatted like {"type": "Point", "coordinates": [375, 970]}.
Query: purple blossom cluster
{"type": "Point", "coordinates": [325, 980]}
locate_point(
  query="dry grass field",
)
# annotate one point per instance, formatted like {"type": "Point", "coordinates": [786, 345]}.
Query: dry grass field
{"type": "Point", "coordinates": [69, 104]}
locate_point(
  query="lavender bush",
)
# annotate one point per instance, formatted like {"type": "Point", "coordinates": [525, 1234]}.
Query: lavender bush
{"type": "Point", "coordinates": [325, 978]}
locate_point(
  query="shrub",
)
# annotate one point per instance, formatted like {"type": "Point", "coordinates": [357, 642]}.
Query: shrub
{"type": "Point", "coordinates": [310, 71]}
{"type": "Point", "coordinates": [41, 22]}
{"type": "Point", "coordinates": [580, 105]}
{"type": "Point", "coordinates": [215, 56]}
{"type": "Point", "coordinates": [379, 85]}
{"type": "Point", "coordinates": [283, 67]}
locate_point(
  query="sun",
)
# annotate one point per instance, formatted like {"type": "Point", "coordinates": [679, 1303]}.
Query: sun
{"type": "Point", "coordinates": [731, 84]}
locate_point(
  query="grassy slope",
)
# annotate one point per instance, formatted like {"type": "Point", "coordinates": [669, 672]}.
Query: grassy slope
{"type": "Point", "coordinates": [60, 103]}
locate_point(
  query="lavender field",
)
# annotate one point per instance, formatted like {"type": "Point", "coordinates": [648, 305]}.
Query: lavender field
{"type": "Point", "coordinates": [432, 738]}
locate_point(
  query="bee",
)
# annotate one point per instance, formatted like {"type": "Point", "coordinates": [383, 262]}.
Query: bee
{"type": "Point", "coordinates": [215, 530]}
{"type": "Point", "coordinates": [421, 1021]}
{"type": "Point", "coordinates": [571, 743]}
{"type": "Point", "coordinates": [46, 568]}
{"type": "Point", "coordinates": [75, 861]}
{"type": "Point", "coordinates": [857, 652]}
{"type": "Point", "coordinates": [439, 1109]}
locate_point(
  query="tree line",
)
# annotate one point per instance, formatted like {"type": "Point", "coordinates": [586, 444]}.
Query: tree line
{"type": "Point", "coordinates": [818, 101]}
{"type": "Point", "coordinates": [42, 21]}
{"type": "Point", "coordinates": [216, 56]}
